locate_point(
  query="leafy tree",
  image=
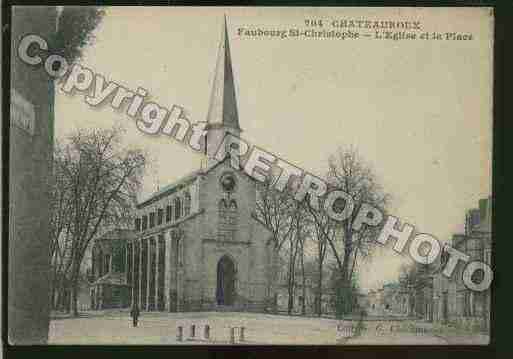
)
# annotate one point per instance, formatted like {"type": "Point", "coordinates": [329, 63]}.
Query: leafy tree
{"type": "Point", "coordinates": [75, 30]}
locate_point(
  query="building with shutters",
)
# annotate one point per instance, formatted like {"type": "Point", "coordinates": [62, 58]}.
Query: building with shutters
{"type": "Point", "coordinates": [452, 300]}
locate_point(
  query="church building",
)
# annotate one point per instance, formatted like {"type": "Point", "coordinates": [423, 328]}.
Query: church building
{"type": "Point", "coordinates": [197, 245]}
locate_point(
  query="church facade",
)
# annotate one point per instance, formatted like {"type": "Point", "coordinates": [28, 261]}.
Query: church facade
{"type": "Point", "coordinates": [197, 244]}
{"type": "Point", "coordinates": [198, 247]}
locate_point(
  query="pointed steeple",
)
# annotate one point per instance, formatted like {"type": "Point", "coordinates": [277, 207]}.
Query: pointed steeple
{"type": "Point", "coordinates": [222, 111]}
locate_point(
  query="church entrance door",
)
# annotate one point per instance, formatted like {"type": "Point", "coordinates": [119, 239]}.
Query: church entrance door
{"type": "Point", "coordinates": [225, 293]}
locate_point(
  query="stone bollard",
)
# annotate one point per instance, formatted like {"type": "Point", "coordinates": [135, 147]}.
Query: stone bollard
{"type": "Point", "coordinates": [179, 335]}
{"type": "Point", "coordinates": [241, 334]}
{"type": "Point", "coordinates": [193, 331]}
{"type": "Point", "coordinates": [232, 335]}
{"type": "Point", "coordinates": [207, 332]}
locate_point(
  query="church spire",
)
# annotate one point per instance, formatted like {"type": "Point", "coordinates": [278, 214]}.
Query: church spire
{"type": "Point", "coordinates": [222, 111]}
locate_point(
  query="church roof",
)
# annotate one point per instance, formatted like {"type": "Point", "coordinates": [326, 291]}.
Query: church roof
{"type": "Point", "coordinates": [181, 183]}
{"type": "Point", "coordinates": [222, 111]}
{"type": "Point", "coordinates": [170, 188]}
{"type": "Point", "coordinates": [185, 181]}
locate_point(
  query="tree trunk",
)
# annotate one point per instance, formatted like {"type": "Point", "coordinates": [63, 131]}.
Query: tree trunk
{"type": "Point", "coordinates": [342, 286]}
{"type": "Point", "coordinates": [345, 285]}
{"type": "Point", "coordinates": [67, 300]}
{"type": "Point", "coordinates": [64, 297]}
{"type": "Point", "coordinates": [291, 277]}
{"type": "Point", "coordinates": [74, 298]}
{"type": "Point", "coordinates": [57, 299]}
{"type": "Point", "coordinates": [52, 295]}
{"type": "Point", "coordinates": [319, 291]}
{"type": "Point", "coordinates": [303, 302]}
{"type": "Point", "coordinates": [275, 283]}
{"type": "Point", "coordinates": [290, 304]}
{"type": "Point", "coordinates": [74, 286]}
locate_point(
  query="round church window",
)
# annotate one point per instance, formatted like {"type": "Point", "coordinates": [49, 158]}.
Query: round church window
{"type": "Point", "coordinates": [228, 182]}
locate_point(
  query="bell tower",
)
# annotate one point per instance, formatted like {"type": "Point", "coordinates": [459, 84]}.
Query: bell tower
{"type": "Point", "coordinates": [222, 117]}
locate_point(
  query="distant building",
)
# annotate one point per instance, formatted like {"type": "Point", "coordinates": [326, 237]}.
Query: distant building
{"type": "Point", "coordinates": [376, 302]}
{"type": "Point", "coordinates": [362, 301]}
{"type": "Point", "coordinates": [109, 287]}
{"type": "Point", "coordinates": [392, 299]}
{"type": "Point", "coordinates": [422, 300]}
{"type": "Point", "coordinates": [452, 300]}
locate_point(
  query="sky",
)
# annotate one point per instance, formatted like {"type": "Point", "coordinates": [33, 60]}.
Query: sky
{"type": "Point", "coordinates": [419, 112]}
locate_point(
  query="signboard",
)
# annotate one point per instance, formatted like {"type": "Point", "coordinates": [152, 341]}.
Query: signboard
{"type": "Point", "coordinates": [23, 114]}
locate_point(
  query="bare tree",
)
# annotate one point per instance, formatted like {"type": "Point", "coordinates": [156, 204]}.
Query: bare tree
{"type": "Point", "coordinates": [274, 211]}
{"type": "Point", "coordinates": [98, 181]}
{"type": "Point", "coordinates": [287, 220]}
{"type": "Point", "coordinates": [60, 230]}
{"type": "Point", "coordinates": [323, 228]}
{"type": "Point", "coordinates": [300, 231]}
{"type": "Point", "coordinates": [348, 172]}
{"type": "Point", "coordinates": [302, 240]}
{"type": "Point", "coordinates": [291, 273]}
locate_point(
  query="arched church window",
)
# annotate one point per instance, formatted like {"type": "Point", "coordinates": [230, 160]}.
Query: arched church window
{"type": "Point", "coordinates": [101, 263]}
{"type": "Point", "coordinates": [144, 222]}
{"type": "Point", "coordinates": [107, 263]}
{"type": "Point", "coordinates": [94, 265]}
{"type": "Point", "coordinates": [178, 207]}
{"type": "Point", "coordinates": [233, 212]}
{"type": "Point", "coordinates": [228, 219]}
{"type": "Point", "coordinates": [186, 203]}
{"type": "Point", "coordinates": [152, 219]}
{"type": "Point", "coordinates": [180, 252]}
{"type": "Point", "coordinates": [160, 216]}
{"type": "Point", "coordinates": [177, 238]}
{"type": "Point", "coordinates": [169, 213]}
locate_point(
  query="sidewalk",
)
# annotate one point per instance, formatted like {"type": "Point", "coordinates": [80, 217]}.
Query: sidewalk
{"type": "Point", "coordinates": [455, 336]}
{"type": "Point", "coordinates": [470, 339]}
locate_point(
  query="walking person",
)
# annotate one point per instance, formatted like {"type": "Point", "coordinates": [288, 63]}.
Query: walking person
{"type": "Point", "coordinates": [134, 313]}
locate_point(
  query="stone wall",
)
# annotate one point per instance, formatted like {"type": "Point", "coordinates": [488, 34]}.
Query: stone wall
{"type": "Point", "coordinates": [220, 224]}
{"type": "Point", "coordinates": [228, 229]}
{"type": "Point", "coordinates": [29, 170]}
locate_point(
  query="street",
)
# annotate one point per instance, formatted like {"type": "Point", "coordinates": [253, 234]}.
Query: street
{"type": "Point", "coordinates": [162, 328]}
